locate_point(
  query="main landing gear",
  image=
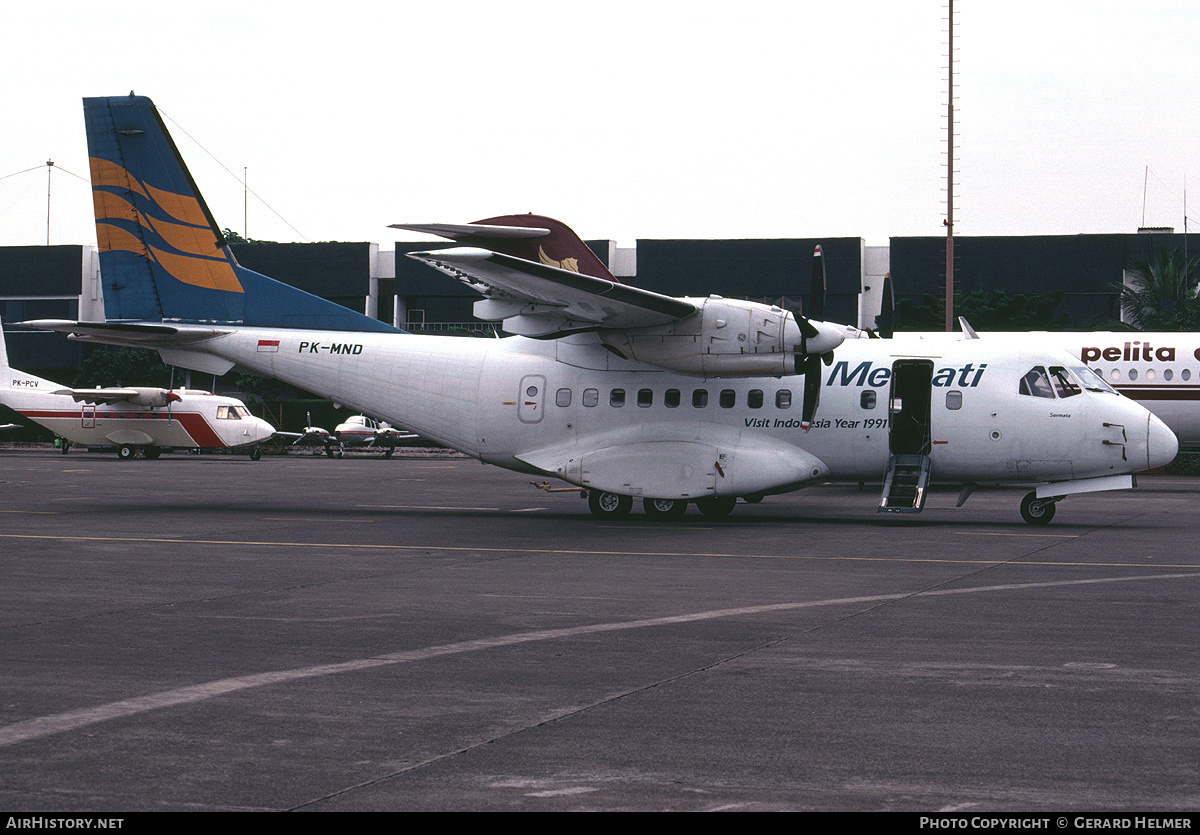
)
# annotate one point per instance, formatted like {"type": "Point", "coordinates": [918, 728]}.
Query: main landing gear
{"type": "Point", "coordinates": [605, 505]}
{"type": "Point", "coordinates": [609, 505]}
{"type": "Point", "coordinates": [127, 451]}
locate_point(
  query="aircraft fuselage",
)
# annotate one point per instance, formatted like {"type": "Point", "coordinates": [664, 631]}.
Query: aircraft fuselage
{"type": "Point", "coordinates": [570, 408]}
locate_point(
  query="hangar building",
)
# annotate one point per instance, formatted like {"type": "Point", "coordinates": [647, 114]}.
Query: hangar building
{"type": "Point", "coordinates": [65, 281]}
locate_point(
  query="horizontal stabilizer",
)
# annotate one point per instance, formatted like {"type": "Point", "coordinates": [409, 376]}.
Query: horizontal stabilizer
{"type": "Point", "coordinates": [131, 334]}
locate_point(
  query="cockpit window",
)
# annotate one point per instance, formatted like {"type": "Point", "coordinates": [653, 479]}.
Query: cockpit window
{"type": "Point", "coordinates": [1036, 384]}
{"type": "Point", "coordinates": [1064, 382]}
{"type": "Point", "coordinates": [1091, 380]}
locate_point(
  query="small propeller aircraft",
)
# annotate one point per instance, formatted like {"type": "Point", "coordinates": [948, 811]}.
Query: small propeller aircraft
{"type": "Point", "coordinates": [617, 390]}
{"type": "Point", "coordinates": [320, 439]}
{"type": "Point", "coordinates": [133, 419]}
{"type": "Point", "coordinates": [366, 432]}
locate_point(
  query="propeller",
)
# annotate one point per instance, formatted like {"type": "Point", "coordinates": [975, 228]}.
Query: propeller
{"type": "Point", "coordinates": [810, 364]}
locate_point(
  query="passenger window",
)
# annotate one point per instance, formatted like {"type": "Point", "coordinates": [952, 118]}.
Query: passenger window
{"type": "Point", "coordinates": [868, 398]}
{"type": "Point", "coordinates": [591, 397]}
{"type": "Point", "coordinates": [1133, 373]}
{"type": "Point", "coordinates": [1185, 374]}
{"type": "Point", "coordinates": [1168, 374]}
{"type": "Point", "coordinates": [728, 398]}
{"type": "Point", "coordinates": [700, 398]}
{"type": "Point", "coordinates": [617, 398]}
{"type": "Point", "coordinates": [754, 399]}
{"type": "Point", "coordinates": [563, 398]}
{"type": "Point", "coordinates": [954, 400]}
{"type": "Point", "coordinates": [1115, 374]}
{"type": "Point", "coordinates": [645, 398]}
{"type": "Point", "coordinates": [671, 398]}
{"type": "Point", "coordinates": [783, 399]}
{"type": "Point", "coordinates": [1035, 383]}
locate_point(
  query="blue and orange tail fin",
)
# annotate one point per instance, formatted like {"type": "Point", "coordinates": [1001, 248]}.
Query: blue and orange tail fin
{"type": "Point", "coordinates": [162, 255]}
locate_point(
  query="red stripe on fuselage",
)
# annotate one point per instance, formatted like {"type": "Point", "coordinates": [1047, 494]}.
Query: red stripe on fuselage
{"type": "Point", "coordinates": [195, 425]}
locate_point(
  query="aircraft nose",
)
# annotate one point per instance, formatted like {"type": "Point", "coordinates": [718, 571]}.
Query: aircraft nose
{"type": "Point", "coordinates": [1161, 443]}
{"type": "Point", "coordinates": [263, 430]}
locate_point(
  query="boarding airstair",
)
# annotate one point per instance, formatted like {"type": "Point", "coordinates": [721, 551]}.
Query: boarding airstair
{"type": "Point", "coordinates": [904, 486]}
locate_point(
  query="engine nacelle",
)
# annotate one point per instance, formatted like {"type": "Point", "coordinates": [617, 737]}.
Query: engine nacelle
{"type": "Point", "coordinates": [726, 338]}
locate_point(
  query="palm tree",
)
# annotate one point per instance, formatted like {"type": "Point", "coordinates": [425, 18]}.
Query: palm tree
{"type": "Point", "coordinates": [1160, 292]}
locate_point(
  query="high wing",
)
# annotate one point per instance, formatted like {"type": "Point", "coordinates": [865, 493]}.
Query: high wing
{"type": "Point", "coordinates": [139, 396]}
{"type": "Point", "coordinates": [709, 337]}
{"type": "Point", "coordinates": [539, 300]}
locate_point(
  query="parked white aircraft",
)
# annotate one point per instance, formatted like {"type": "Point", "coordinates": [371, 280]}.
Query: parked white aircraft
{"type": "Point", "coordinates": [317, 437]}
{"type": "Point", "coordinates": [363, 431]}
{"type": "Point", "coordinates": [623, 392]}
{"type": "Point", "coordinates": [146, 420]}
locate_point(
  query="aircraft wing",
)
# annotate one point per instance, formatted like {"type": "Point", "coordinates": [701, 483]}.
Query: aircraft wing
{"type": "Point", "coordinates": [138, 396]}
{"type": "Point", "coordinates": [309, 438]}
{"type": "Point", "coordinates": [105, 395]}
{"type": "Point", "coordinates": [540, 300]}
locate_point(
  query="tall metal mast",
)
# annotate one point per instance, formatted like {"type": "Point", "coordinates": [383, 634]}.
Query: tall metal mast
{"type": "Point", "coordinates": [950, 175]}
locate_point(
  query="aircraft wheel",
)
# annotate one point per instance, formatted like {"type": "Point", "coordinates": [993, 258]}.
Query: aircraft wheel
{"type": "Point", "coordinates": [255, 454]}
{"type": "Point", "coordinates": [328, 452]}
{"type": "Point", "coordinates": [339, 452]}
{"type": "Point", "coordinates": [665, 508]}
{"type": "Point", "coordinates": [125, 452]}
{"type": "Point", "coordinates": [609, 505]}
{"type": "Point", "coordinates": [716, 505]}
{"type": "Point", "coordinates": [1037, 511]}
{"type": "Point", "coordinates": [152, 452]}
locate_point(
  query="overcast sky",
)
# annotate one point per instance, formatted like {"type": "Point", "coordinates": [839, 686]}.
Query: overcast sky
{"type": "Point", "coordinates": [624, 119]}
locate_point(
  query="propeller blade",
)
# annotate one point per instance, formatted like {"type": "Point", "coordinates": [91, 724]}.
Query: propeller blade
{"type": "Point", "coordinates": [816, 293]}
{"type": "Point", "coordinates": [807, 329]}
{"type": "Point", "coordinates": [812, 390]}
{"type": "Point", "coordinates": [885, 322]}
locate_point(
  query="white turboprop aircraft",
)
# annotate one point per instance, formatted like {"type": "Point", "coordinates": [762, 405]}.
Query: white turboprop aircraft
{"type": "Point", "coordinates": [141, 419]}
{"type": "Point", "coordinates": [620, 391]}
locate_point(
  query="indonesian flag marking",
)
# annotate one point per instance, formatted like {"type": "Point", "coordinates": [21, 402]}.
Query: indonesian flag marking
{"type": "Point", "coordinates": [268, 346]}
